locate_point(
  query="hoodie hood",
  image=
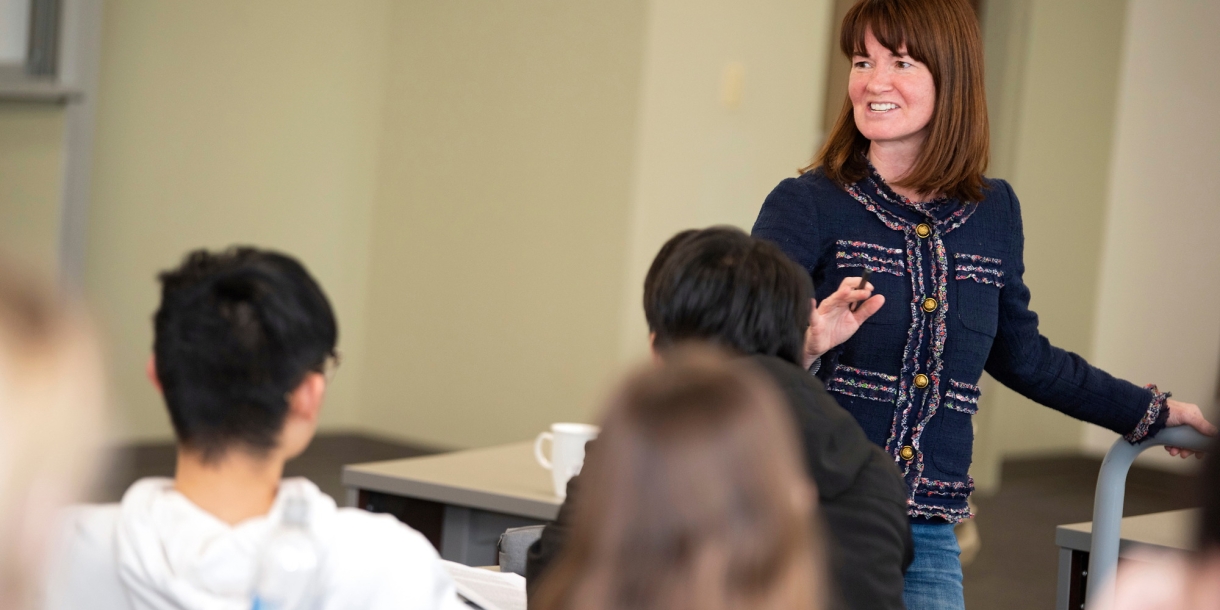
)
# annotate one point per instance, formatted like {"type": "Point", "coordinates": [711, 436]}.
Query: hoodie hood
{"type": "Point", "coordinates": [174, 555]}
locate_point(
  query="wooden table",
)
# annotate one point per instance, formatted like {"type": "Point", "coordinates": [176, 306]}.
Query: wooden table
{"type": "Point", "coordinates": [461, 501]}
{"type": "Point", "coordinates": [1167, 531]}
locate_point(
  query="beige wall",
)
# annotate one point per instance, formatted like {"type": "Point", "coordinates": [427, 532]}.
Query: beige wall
{"type": "Point", "coordinates": [731, 104]}
{"type": "Point", "coordinates": [498, 234]}
{"type": "Point", "coordinates": [1053, 74]}
{"type": "Point", "coordinates": [226, 122]}
{"type": "Point", "coordinates": [1157, 319]}
{"type": "Point", "coordinates": [31, 160]}
{"type": "Point", "coordinates": [474, 184]}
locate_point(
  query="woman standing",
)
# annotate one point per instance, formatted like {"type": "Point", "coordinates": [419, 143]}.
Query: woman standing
{"type": "Point", "coordinates": [898, 190]}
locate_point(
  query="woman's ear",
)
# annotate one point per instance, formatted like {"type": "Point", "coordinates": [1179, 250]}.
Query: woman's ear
{"type": "Point", "coordinates": [150, 369]}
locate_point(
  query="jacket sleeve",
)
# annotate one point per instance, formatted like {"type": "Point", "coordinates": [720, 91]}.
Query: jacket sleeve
{"type": "Point", "coordinates": [788, 219]}
{"type": "Point", "coordinates": [862, 497]}
{"type": "Point", "coordinates": [1024, 360]}
{"type": "Point", "coordinates": [542, 553]}
{"type": "Point", "coordinates": [870, 536]}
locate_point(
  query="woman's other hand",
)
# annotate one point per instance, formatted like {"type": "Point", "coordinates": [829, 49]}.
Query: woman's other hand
{"type": "Point", "coordinates": [832, 321]}
{"type": "Point", "coordinates": [1186, 414]}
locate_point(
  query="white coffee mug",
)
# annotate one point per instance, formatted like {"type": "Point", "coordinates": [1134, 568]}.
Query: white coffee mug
{"type": "Point", "coordinates": [567, 452]}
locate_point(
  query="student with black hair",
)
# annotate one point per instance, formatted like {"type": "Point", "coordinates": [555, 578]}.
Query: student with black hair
{"type": "Point", "coordinates": [243, 343]}
{"type": "Point", "coordinates": [722, 286]}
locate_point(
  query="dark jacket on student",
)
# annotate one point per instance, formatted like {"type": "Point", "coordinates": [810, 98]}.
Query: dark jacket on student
{"type": "Point", "coordinates": [862, 499]}
{"type": "Point", "coordinates": [956, 304]}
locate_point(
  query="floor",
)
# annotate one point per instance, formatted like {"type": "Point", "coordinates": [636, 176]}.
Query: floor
{"type": "Point", "coordinates": [1016, 568]}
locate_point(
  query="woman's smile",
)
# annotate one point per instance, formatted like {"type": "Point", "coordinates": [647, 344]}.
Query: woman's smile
{"type": "Point", "coordinates": [892, 94]}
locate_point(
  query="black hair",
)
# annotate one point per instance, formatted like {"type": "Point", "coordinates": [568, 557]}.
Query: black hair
{"type": "Point", "coordinates": [721, 285]}
{"type": "Point", "coordinates": [235, 333]}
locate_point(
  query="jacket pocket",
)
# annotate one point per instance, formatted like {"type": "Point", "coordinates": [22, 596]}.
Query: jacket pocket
{"type": "Point", "coordinates": [868, 385]}
{"type": "Point", "coordinates": [980, 269]}
{"type": "Point", "coordinates": [978, 281]}
{"type": "Point", "coordinates": [889, 277]}
{"type": "Point", "coordinates": [953, 444]}
{"type": "Point", "coordinates": [963, 397]}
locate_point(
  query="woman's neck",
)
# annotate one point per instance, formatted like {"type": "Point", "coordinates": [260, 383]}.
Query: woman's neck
{"type": "Point", "coordinates": [236, 487]}
{"type": "Point", "coordinates": [893, 161]}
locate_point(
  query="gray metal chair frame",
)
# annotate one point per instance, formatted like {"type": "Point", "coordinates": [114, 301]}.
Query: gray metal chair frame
{"type": "Point", "coordinates": [1108, 501]}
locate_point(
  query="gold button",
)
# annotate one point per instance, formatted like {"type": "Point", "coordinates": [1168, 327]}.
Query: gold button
{"type": "Point", "coordinates": [907, 452]}
{"type": "Point", "coordinates": [923, 230]}
{"type": "Point", "coordinates": [921, 381]}
{"type": "Point", "coordinates": [929, 304]}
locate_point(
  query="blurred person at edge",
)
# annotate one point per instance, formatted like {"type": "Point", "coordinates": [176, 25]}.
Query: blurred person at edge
{"type": "Point", "coordinates": [721, 286]}
{"type": "Point", "coordinates": [898, 189]}
{"type": "Point", "coordinates": [1151, 580]}
{"type": "Point", "coordinates": [51, 412]}
{"type": "Point", "coordinates": [697, 499]}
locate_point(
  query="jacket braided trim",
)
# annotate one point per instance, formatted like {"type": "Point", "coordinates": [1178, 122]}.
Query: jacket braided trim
{"type": "Point", "coordinates": [963, 397]}
{"type": "Point", "coordinates": [869, 256]}
{"type": "Point", "coordinates": [1150, 416]}
{"type": "Point", "coordinates": [945, 489]}
{"type": "Point", "coordinates": [868, 385]}
{"type": "Point", "coordinates": [935, 511]}
{"type": "Point", "coordinates": [940, 279]}
{"type": "Point", "coordinates": [981, 269]}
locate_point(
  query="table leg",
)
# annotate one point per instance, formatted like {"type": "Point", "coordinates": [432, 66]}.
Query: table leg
{"type": "Point", "coordinates": [1073, 579]}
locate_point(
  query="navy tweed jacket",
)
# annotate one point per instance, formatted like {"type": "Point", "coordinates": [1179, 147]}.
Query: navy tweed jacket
{"type": "Point", "coordinates": [955, 306]}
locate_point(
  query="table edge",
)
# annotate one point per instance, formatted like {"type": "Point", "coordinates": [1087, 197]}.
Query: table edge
{"type": "Point", "coordinates": [449, 494]}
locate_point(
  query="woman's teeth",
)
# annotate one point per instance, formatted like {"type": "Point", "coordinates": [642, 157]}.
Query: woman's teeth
{"type": "Point", "coordinates": [882, 107]}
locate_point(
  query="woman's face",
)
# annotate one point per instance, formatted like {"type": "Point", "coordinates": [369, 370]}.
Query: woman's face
{"type": "Point", "coordinates": [892, 95]}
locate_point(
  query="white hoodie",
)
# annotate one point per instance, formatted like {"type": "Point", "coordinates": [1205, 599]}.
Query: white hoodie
{"type": "Point", "coordinates": [172, 555]}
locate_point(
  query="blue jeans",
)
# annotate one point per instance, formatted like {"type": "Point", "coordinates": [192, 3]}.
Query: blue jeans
{"type": "Point", "coordinates": [934, 580]}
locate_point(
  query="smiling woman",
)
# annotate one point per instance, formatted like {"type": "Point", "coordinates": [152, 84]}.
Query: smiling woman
{"type": "Point", "coordinates": [941, 68]}
{"type": "Point", "coordinates": [898, 190]}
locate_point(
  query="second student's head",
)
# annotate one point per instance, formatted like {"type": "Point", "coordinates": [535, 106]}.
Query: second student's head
{"type": "Point", "coordinates": [723, 286]}
{"type": "Point", "coordinates": [242, 340]}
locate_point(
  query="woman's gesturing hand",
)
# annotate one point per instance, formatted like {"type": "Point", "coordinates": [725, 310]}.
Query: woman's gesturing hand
{"type": "Point", "coordinates": [832, 322]}
{"type": "Point", "coordinates": [1186, 414]}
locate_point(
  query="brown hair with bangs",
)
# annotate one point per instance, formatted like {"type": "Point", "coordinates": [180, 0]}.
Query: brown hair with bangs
{"type": "Point", "coordinates": [944, 36]}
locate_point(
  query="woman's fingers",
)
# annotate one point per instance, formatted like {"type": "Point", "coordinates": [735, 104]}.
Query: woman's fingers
{"type": "Point", "coordinates": [1187, 414]}
{"type": "Point", "coordinates": [869, 307]}
{"type": "Point", "coordinates": [1182, 453]}
{"type": "Point", "coordinates": [847, 294]}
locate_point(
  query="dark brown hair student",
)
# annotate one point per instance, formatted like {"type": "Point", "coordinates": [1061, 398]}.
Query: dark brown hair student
{"type": "Point", "coordinates": [943, 35]}
{"type": "Point", "coordinates": [694, 498]}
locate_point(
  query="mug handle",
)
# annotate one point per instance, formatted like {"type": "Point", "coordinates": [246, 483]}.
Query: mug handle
{"type": "Point", "coordinates": [542, 461]}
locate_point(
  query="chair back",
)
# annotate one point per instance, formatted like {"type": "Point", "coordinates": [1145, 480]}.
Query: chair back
{"type": "Point", "coordinates": [514, 545]}
{"type": "Point", "coordinates": [1108, 501]}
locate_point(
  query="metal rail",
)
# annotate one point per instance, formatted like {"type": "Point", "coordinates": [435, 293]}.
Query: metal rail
{"type": "Point", "coordinates": [1108, 501]}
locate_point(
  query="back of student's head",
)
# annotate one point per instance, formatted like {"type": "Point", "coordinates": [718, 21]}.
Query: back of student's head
{"type": "Point", "coordinates": [236, 332]}
{"type": "Point", "coordinates": [51, 399]}
{"type": "Point", "coordinates": [723, 286]}
{"type": "Point", "coordinates": [694, 497]}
